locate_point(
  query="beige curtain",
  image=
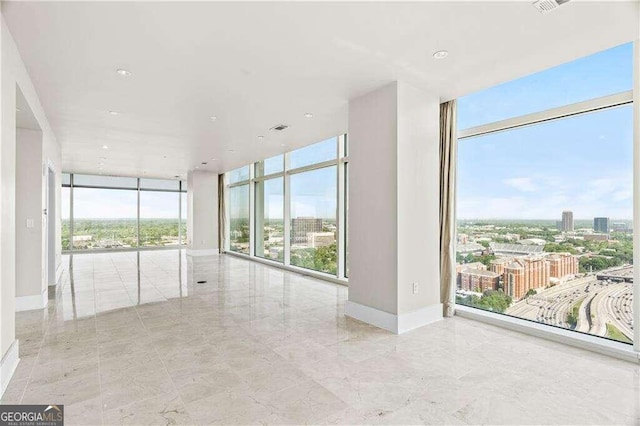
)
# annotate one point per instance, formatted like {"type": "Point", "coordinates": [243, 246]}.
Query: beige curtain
{"type": "Point", "coordinates": [448, 144]}
{"type": "Point", "coordinates": [222, 216]}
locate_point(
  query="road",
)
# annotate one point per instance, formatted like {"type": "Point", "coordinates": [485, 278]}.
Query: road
{"type": "Point", "coordinates": [602, 302]}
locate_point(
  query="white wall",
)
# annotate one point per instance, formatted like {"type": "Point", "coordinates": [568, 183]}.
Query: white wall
{"type": "Point", "coordinates": [394, 207]}
{"type": "Point", "coordinates": [202, 222]}
{"type": "Point", "coordinates": [29, 187]}
{"type": "Point", "coordinates": [12, 74]}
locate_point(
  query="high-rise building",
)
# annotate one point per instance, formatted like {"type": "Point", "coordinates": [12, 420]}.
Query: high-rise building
{"type": "Point", "coordinates": [562, 265]}
{"type": "Point", "coordinates": [601, 225]}
{"type": "Point", "coordinates": [567, 221]}
{"type": "Point", "coordinates": [522, 274]}
{"type": "Point", "coordinates": [301, 226]}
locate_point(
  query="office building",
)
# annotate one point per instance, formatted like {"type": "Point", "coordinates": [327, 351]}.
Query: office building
{"type": "Point", "coordinates": [567, 221]}
{"type": "Point", "coordinates": [601, 225]}
{"type": "Point", "coordinates": [301, 227]}
{"type": "Point", "coordinates": [246, 213]}
{"type": "Point", "coordinates": [320, 239]}
{"type": "Point", "coordinates": [619, 227]}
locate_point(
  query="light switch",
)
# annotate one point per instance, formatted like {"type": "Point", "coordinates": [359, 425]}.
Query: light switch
{"type": "Point", "coordinates": [29, 223]}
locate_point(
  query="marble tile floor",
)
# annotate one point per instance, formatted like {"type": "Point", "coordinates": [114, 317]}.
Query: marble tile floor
{"type": "Point", "coordinates": [132, 338]}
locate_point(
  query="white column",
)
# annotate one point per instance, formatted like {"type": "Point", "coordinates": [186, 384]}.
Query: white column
{"type": "Point", "coordinates": [394, 208]}
{"type": "Point", "coordinates": [202, 214]}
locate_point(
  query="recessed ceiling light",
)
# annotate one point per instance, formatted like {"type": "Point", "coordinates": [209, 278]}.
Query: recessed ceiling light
{"type": "Point", "coordinates": [213, 159]}
{"type": "Point", "coordinates": [164, 156]}
{"type": "Point", "coordinates": [204, 163]}
{"type": "Point", "coordinates": [230, 150]}
{"type": "Point", "coordinates": [18, 109]}
{"type": "Point", "coordinates": [103, 158]}
{"type": "Point", "coordinates": [281, 144]}
{"type": "Point", "coordinates": [308, 115]}
{"type": "Point", "coordinates": [105, 147]}
{"type": "Point", "coordinates": [441, 54]}
{"type": "Point", "coordinates": [213, 118]}
{"type": "Point", "coordinates": [102, 164]}
{"type": "Point", "coordinates": [260, 137]}
{"type": "Point", "coordinates": [124, 73]}
{"type": "Point", "coordinates": [197, 167]}
{"type": "Point", "coordinates": [114, 113]}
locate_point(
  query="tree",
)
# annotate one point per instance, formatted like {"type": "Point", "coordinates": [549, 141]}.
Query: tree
{"type": "Point", "coordinates": [491, 300]}
{"type": "Point", "coordinates": [495, 300]}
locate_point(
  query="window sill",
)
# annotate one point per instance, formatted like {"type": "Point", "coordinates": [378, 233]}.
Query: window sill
{"type": "Point", "coordinates": [290, 268]}
{"type": "Point", "coordinates": [568, 337]}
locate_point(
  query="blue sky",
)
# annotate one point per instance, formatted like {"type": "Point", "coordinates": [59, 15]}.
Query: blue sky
{"type": "Point", "coordinates": [583, 163]}
{"type": "Point", "coordinates": [313, 193]}
{"type": "Point", "coordinates": [121, 204]}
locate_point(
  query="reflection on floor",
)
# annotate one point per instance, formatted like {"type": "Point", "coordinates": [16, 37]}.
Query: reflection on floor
{"type": "Point", "coordinates": [133, 338]}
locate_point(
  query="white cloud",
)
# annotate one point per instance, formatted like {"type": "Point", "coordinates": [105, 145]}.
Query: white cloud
{"type": "Point", "coordinates": [522, 184]}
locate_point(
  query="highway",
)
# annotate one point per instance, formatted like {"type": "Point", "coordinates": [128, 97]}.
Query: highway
{"type": "Point", "coordinates": [602, 302]}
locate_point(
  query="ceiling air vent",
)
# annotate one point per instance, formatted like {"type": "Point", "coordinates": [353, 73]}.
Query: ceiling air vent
{"type": "Point", "coordinates": [279, 127]}
{"type": "Point", "coordinates": [546, 6]}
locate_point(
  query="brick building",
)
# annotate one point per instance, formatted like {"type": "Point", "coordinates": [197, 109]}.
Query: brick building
{"type": "Point", "coordinates": [562, 265]}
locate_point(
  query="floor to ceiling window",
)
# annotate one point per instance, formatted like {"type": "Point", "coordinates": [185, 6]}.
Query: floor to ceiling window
{"type": "Point", "coordinates": [269, 208]}
{"type": "Point", "coordinates": [110, 213]}
{"type": "Point", "coordinates": [292, 204]}
{"type": "Point", "coordinates": [545, 197]}
{"type": "Point", "coordinates": [313, 219]}
{"type": "Point", "coordinates": [65, 212]}
{"type": "Point", "coordinates": [159, 222]}
{"type": "Point", "coordinates": [239, 234]}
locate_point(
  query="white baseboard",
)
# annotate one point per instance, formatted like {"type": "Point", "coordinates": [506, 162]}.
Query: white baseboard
{"type": "Point", "coordinates": [380, 319]}
{"type": "Point", "coordinates": [394, 323]}
{"type": "Point", "coordinates": [8, 366]}
{"type": "Point", "coordinates": [30, 303]}
{"type": "Point", "coordinates": [202, 252]}
{"type": "Point", "coordinates": [416, 319]}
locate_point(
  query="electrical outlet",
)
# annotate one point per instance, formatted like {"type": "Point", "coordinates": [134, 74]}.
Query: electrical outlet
{"type": "Point", "coordinates": [415, 288]}
{"type": "Point", "coordinates": [30, 223]}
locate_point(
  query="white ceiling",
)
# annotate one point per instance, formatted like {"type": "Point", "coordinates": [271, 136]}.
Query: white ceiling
{"type": "Point", "coordinates": [255, 65]}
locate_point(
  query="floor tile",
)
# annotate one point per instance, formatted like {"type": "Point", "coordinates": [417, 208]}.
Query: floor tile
{"type": "Point", "coordinates": [258, 345]}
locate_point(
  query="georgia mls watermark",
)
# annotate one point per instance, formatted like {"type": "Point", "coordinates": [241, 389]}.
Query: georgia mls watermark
{"type": "Point", "coordinates": [31, 415]}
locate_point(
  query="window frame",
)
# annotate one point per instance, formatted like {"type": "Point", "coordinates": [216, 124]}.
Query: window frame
{"type": "Point", "coordinates": [583, 340]}
{"type": "Point", "coordinates": [182, 188]}
{"type": "Point", "coordinates": [340, 161]}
